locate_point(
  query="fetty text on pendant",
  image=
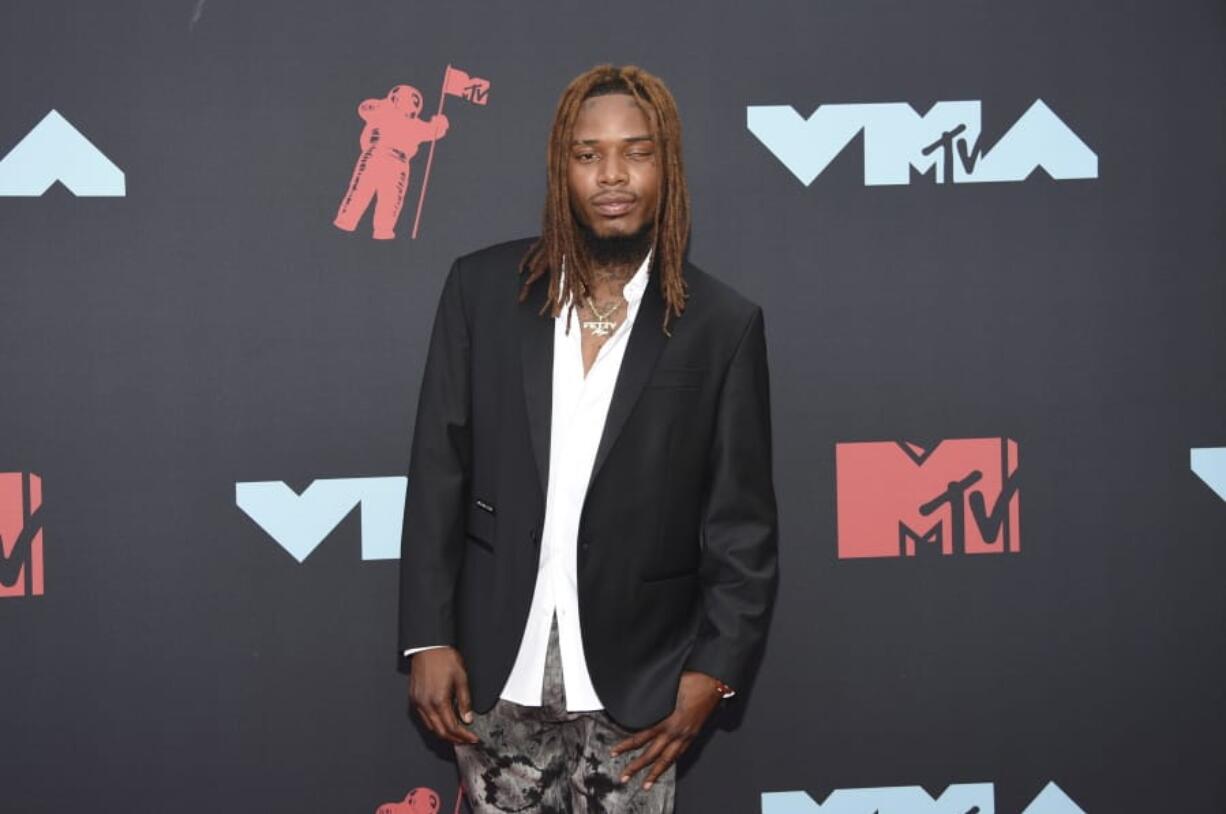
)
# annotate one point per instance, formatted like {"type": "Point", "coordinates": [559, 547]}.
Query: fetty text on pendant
{"type": "Point", "coordinates": [599, 327]}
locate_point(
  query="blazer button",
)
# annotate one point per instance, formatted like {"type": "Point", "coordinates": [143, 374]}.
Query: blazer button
{"type": "Point", "coordinates": [585, 544]}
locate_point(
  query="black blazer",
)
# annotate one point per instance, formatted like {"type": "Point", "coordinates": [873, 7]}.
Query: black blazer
{"type": "Point", "coordinates": [677, 538]}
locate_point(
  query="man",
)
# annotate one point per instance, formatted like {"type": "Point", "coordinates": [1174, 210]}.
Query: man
{"type": "Point", "coordinates": [589, 554]}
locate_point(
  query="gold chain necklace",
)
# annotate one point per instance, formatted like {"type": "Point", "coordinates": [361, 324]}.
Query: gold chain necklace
{"type": "Point", "coordinates": [601, 325]}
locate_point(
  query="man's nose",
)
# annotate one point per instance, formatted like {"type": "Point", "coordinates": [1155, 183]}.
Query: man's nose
{"type": "Point", "coordinates": [613, 170]}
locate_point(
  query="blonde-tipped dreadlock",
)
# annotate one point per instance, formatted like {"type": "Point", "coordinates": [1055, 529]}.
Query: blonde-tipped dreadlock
{"type": "Point", "coordinates": [559, 230]}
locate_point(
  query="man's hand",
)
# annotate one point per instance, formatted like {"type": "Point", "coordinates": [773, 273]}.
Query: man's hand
{"type": "Point", "coordinates": [438, 683]}
{"type": "Point", "coordinates": [697, 698]}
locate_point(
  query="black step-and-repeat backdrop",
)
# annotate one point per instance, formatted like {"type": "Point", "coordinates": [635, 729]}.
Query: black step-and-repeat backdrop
{"type": "Point", "coordinates": [989, 242]}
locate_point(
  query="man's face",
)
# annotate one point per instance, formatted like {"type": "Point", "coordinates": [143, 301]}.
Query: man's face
{"type": "Point", "coordinates": [614, 167]}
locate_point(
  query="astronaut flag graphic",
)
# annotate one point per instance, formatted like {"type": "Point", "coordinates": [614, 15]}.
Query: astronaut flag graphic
{"type": "Point", "coordinates": [393, 130]}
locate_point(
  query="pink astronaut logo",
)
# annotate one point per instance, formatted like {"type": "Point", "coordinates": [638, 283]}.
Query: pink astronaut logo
{"type": "Point", "coordinates": [392, 135]}
{"type": "Point", "coordinates": [951, 497]}
{"type": "Point", "coordinates": [420, 800]}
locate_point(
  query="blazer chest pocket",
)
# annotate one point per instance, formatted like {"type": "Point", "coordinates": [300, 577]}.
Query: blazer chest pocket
{"type": "Point", "coordinates": [678, 378]}
{"type": "Point", "coordinates": [481, 524]}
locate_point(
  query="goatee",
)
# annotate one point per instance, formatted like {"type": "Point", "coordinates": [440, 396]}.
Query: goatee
{"type": "Point", "coordinates": [617, 252]}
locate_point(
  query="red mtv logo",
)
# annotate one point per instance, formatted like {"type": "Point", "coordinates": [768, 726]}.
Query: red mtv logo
{"type": "Point", "coordinates": [899, 499]}
{"type": "Point", "coordinates": [21, 534]}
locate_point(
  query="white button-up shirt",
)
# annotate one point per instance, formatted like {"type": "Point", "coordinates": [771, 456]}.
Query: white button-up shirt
{"type": "Point", "coordinates": [580, 405]}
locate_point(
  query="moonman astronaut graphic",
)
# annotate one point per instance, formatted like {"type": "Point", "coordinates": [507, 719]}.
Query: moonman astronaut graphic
{"type": "Point", "coordinates": [390, 139]}
{"type": "Point", "coordinates": [420, 800]}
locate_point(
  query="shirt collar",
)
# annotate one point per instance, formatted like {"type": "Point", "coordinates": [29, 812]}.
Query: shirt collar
{"type": "Point", "coordinates": [637, 284]}
{"type": "Point", "coordinates": [633, 290]}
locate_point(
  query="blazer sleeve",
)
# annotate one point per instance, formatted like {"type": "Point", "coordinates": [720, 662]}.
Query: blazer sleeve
{"type": "Point", "coordinates": [739, 527]}
{"type": "Point", "coordinates": [432, 535]}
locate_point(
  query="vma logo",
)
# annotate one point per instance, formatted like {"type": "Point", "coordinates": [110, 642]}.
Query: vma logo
{"type": "Point", "coordinates": [896, 498]}
{"type": "Point", "coordinates": [966, 798]}
{"type": "Point", "coordinates": [1209, 464]}
{"type": "Point", "coordinates": [300, 522]}
{"type": "Point", "coordinates": [943, 143]}
{"type": "Point", "coordinates": [56, 151]}
{"type": "Point", "coordinates": [21, 534]}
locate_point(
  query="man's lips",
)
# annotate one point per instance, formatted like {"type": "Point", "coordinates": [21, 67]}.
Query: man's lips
{"type": "Point", "coordinates": [613, 205]}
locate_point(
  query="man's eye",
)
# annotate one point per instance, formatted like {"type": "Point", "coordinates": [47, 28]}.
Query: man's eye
{"type": "Point", "coordinates": [585, 156]}
{"type": "Point", "coordinates": [640, 154]}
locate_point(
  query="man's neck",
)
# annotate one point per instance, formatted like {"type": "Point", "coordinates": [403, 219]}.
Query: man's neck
{"type": "Point", "coordinates": [615, 259]}
{"type": "Point", "coordinates": [609, 279]}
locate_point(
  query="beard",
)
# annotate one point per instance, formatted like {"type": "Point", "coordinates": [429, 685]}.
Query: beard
{"type": "Point", "coordinates": [617, 251]}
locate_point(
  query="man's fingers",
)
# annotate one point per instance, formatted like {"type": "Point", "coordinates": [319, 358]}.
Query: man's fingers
{"type": "Point", "coordinates": [666, 759]}
{"type": "Point", "coordinates": [463, 700]}
{"type": "Point", "coordinates": [434, 714]}
{"type": "Point", "coordinates": [428, 718]}
{"type": "Point", "coordinates": [634, 741]}
{"type": "Point", "coordinates": [436, 719]}
{"type": "Point", "coordinates": [454, 732]}
{"type": "Point", "coordinates": [650, 754]}
{"type": "Point", "coordinates": [438, 687]}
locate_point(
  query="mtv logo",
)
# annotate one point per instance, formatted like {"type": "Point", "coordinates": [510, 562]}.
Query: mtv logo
{"type": "Point", "coordinates": [943, 141]}
{"type": "Point", "coordinates": [56, 151]}
{"type": "Point", "coordinates": [896, 498]}
{"type": "Point", "coordinates": [969, 798]}
{"type": "Point", "coordinates": [478, 92]}
{"type": "Point", "coordinates": [300, 522]}
{"type": "Point", "coordinates": [21, 534]}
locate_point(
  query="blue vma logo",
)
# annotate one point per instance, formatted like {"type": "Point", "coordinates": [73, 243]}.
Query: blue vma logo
{"type": "Point", "coordinates": [1209, 464]}
{"type": "Point", "coordinates": [961, 798]}
{"type": "Point", "coordinates": [56, 151]}
{"type": "Point", "coordinates": [300, 522]}
{"type": "Point", "coordinates": [943, 143]}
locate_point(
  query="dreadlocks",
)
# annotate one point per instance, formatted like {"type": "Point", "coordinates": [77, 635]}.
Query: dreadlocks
{"type": "Point", "coordinates": [559, 234]}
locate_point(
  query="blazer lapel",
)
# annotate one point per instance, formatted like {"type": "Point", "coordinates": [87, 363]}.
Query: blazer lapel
{"type": "Point", "coordinates": [536, 359]}
{"type": "Point", "coordinates": [642, 350]}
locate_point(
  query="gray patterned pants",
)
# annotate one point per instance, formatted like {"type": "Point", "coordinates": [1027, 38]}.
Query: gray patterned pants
{"type": "Point", "coordinates": [546, 760]}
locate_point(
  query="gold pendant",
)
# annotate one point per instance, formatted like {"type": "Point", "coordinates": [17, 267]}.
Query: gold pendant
{"type": "Point", "coordinates": [599, 327]}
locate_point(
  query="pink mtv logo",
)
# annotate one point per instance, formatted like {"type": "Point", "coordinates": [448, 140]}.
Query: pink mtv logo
{"type": "Point", "coordinates": [897, 498]}
{"type": "Point", "coordinates": [21, 534]}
